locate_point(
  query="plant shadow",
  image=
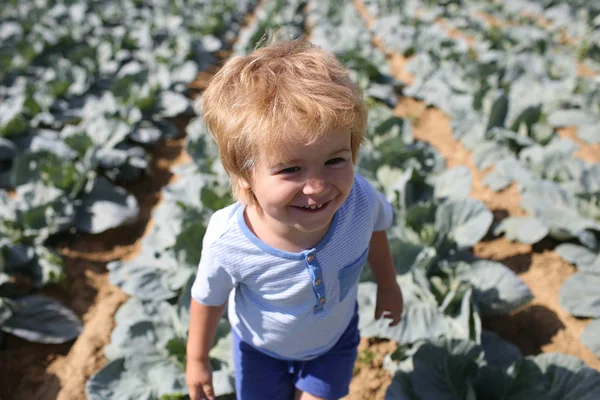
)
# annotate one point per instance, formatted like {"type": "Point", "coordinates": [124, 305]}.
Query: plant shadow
{"type": "Point", "coordinates": [518, 263]}
{"type": "Point", "coordinates": [546, 244]}
{"type": "Point", "coordinates": [529, 329]}
{"type": "Point", "coordinates": [23, 362]}
{"type": "Point", "coordinates": [498, 215]}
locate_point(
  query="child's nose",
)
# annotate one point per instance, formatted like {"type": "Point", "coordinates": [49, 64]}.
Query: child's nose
{"type": "Point", "coordinates": [315, 186]}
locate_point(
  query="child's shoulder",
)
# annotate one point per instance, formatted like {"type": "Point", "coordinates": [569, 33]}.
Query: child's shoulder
{"type": "Point", "coordinates": [221, 221]}
{"type": "Point", "coordinates": [374, 202]}
{"type": "Point", "coordinates": [361, 197]}
{"type": "Point", "coordinates": [362, 185]}
{"type": "Point", "coordinates": [360, 180]}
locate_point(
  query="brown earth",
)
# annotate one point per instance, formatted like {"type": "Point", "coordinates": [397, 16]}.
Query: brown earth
{"type": "Point", "coordinates": [370, 380]}
{"type": "Point", "coordinates": [586, 152]}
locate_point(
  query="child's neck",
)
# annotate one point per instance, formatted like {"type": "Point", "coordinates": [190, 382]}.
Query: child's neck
{"type": "Point", "coordinates": [279, 236]}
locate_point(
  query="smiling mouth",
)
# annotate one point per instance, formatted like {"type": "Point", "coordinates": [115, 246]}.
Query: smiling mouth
{"type": "Point", "coordinates": [313, 207]}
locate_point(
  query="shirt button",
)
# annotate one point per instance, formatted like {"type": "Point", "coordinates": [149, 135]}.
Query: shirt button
{"type": "Point", "coordinates": [318, 282]}
{"type": "Point", "coordinates": [310, 258]}
{"type": "Point", "coordinates": [322, 300]}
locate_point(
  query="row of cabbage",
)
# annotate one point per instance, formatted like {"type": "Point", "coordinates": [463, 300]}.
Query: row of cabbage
{"type": "Point", "coordinates": [87, 90]}
{"type": "Point", "coordinates": [507, 92]}
{"type": "Point", "coordinates": [574, 23]}
{"type": "Point", "coordinates": [581, 182]}
{"type": "Point", "coordinates": [447, 289]}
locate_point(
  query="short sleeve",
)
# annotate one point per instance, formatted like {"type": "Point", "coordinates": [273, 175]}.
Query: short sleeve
{"type": "Point", "coordinates": [383, 213]}
{"type": "Point", "coordinates": [213, 282]}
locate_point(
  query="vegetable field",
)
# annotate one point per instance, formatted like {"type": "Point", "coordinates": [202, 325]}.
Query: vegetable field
{"type": "Point", "coordinates": [483, 133]}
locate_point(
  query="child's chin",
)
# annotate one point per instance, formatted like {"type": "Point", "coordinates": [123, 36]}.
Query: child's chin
{"type": "Point", "coordinates": [308, 226]}
{"type": "Point", "coordinates": [315, 229]}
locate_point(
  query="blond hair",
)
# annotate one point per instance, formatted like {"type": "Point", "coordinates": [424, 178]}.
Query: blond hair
{"type": "Point", "coordinates": [285, 90]}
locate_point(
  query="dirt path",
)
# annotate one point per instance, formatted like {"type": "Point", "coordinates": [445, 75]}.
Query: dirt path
{"type": "Point", "coordinates": [370, 380]}
{"type": "Point", "coordinates": [542, 326]}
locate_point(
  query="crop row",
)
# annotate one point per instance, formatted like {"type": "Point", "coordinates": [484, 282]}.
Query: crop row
{"type": "Point", "coordinates": [507, 91]}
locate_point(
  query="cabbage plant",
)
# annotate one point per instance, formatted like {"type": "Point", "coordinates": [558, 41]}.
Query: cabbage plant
{"type": "Point", "coordinates": [459, 369]}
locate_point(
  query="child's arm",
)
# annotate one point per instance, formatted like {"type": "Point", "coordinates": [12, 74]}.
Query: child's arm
{"type": "Point", "coordinates": [389, 295]}
{"type": "Point", "coordinates": [203, 326]}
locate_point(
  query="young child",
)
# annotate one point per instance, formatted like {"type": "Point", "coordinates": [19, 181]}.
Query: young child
{"type": "Point", "coordinates": [288, 255]}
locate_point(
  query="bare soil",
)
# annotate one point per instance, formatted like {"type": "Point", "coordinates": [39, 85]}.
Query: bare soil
{"type": "Point", "coordinates": [370, 380]}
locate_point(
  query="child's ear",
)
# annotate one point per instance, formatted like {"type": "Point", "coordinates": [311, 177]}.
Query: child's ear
{"type": "Point", "coordinates": [244, 183]}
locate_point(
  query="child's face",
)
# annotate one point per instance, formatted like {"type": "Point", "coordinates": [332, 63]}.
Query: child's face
{"type": "Point", "coordinates": [301, 195]}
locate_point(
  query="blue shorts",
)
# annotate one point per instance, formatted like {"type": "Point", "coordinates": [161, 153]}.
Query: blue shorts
{"type": "Point", "coordinates": [261, 377]}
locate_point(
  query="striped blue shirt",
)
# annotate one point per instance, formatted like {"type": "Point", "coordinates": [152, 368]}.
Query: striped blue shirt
{"type": "Point", "coordinates": [292, 306]}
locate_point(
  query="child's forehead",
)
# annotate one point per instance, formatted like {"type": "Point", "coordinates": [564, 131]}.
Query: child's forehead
{"type": "Point", "coordinates": [284, 150]}
{"type": "Point", "coordinates": [297, 146]}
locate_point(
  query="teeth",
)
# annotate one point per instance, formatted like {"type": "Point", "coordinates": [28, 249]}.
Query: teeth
{"type": "Point", "coordinates": [313, 207]}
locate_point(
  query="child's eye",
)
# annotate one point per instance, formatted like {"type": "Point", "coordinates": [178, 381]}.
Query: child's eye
{"type": "Point", "coordinates": [289, 170]}
{"type": "Point", "coordinates": [334, 161]}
